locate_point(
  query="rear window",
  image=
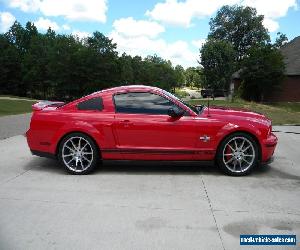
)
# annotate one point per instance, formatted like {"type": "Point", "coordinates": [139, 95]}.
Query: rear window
{"type": "Point", "coordinates": [91, 104]}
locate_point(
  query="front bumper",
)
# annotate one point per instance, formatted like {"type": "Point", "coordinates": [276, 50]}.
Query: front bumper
{"type": "Point", "coordinates": [268, 148]}
{"type": "Point", "coordinates": [269, 161]}
{"type": "Point", "coordinates": [271, 141]}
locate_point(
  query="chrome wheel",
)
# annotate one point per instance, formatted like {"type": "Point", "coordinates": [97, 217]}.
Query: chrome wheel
{"type": "Point", "coordinates": [238, 154]}
{"type": "Point", "coordinates": [77, 154]}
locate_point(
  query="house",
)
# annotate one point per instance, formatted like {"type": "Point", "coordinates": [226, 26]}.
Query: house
{"type": "Point", "coordinates": [290, 87]}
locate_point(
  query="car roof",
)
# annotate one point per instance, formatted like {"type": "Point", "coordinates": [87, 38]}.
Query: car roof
{"type": "Point", "coordinates": [120, 89]}
{"type": "Point", "coordinates": [128, 87]}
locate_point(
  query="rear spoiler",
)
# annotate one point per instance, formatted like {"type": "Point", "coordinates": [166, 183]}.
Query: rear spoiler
{"type": "Point", "coordinates": [46, 104]}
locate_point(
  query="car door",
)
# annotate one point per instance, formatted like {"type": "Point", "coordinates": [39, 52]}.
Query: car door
{"type": "Point", "coordinates": [145, 130]}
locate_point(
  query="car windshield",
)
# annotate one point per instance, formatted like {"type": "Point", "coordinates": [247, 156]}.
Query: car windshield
{"type": "Point", "coordinates": [197, 110]}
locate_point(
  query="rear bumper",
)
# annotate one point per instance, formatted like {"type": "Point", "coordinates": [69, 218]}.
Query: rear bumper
{"type": "Point", "coordinates": [43, 154]}
{"type": "Point", "coordinates": [38, 147]}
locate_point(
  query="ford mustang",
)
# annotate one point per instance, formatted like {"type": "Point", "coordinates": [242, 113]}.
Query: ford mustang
{"type": "Point", "coordinates": [147, 123]}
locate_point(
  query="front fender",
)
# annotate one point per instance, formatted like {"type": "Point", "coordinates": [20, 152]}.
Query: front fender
{"type": "Point", "coordinates": [230, 128]}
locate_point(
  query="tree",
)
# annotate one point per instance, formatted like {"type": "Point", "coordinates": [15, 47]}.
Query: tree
{"type": "Point", "coordinates": [21, 38]}
{"type": "Point", "coordinates": [217, 59]}
{"type": "Point", "coordinates": [189, 76]}
{"type": "Point", "coordinates": [179, 76]}
{"type": "Point", "coordinates": [126, 69]}
{"type": "Point", "coordinates": [193, 76]}
{"type": "Point", "coordinates": [137, 69]}
{"type": "Point", "coordinates": [198, 78]}
{"type": "Point", "coordinates": [263, 72]}
{"type": "Point", "coordinates": [240, 26]}
{"type": "Point", "coordinates": [10, 70]}
{"type": "Point", "coordinates": [15, 36]}
{"type": "Point", "coordinates": [158, 72]}
{"type": "Point", "coordinates": [281, 40]}
{"type": "Point", "coordinates": [64, 67]}
{"type": "Point", "coordinates": [106, 70]}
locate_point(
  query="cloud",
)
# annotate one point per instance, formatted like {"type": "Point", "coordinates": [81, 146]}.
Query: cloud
{"type": "Point", "coordinates": [79, 10]}
{"type": "Point", "coordinates": [87, 10]}
{"type": "Point", "coordinates": [66, 27]}
{"type": "Point", "coordinates": [171, 12]}
{"type": "Point", "coordinates": [132, 28]}
{"type": "Point", "coordinates": [25, 5]}
{"type": "Point", "coordinates": [180, 53]}
{"type": "Point", "coordinates": [198, 43]}
{"type": "Point", "coordinates": [177, 52]}
{"type": "Point", "coordinates": [44, 24]}
{"type": "Point", "coordinates": [270, 24]}
{"type": "Point", "coordinates": [181, 13]}
{"type": "Point", "coordinates": [140, 37]}
{"type": "Point", "coordinates": [271, 10]}
{"type": "Point", "coordinates": [81, 34]}
{"type": "Point", "coordinates": [178, 13]}
{"type": "Point", "coordinates": [6, 21]}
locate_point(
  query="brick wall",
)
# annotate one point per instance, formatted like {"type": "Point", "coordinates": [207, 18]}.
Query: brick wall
{"type": "Point", "coordinates": [289, 92]}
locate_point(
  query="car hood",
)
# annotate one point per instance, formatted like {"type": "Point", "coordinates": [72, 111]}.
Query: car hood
{"type": "Point", "coordinates": [238, 113]}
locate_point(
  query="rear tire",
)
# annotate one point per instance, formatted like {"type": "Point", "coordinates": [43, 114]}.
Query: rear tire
{"type": "Point", "coordinates": [237, 154]}
{"type": "Point", "coordinates": [78, 153]}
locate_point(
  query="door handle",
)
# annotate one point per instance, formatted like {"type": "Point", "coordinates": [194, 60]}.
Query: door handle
{"type": "Point", "coordinates": [126, 123]}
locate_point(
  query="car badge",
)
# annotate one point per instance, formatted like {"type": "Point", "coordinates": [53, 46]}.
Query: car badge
{"type": "Point", "coordinates": [204, 138]}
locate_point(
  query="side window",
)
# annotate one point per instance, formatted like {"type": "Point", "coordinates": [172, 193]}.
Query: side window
{"type": "Point", "coordinates": [142, 103]}
{"type": "Point", "coordinates": [91, 104]}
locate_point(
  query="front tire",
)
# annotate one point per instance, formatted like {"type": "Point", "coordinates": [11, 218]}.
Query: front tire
{"type": "Point", "coordinates": [237, 155]}
{"type": "Point", "coordinates": [78, 154]}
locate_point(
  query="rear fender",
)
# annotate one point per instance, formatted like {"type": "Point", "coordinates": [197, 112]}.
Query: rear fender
{"type": "Point", "coordinates": [76, 126]}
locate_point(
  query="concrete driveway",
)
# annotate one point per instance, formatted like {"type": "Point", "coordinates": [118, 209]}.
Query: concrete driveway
{"type": "Point", "coordinates": [192, 93]}
{"type": "Point", "coordinates": [145, 205]}
{"type": "Point", "coordinates": [196, 94]}
{"type": "Point", "coordinates": [12, 125]}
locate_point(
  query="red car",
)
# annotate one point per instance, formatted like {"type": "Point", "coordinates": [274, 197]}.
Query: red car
{"type": "Point", "coordinates": [147, 123]}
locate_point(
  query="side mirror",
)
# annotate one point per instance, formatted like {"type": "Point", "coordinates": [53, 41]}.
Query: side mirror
{"type": "Point", "coordinates": [175, 112]}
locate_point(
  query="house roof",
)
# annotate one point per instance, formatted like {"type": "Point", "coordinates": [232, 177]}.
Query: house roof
{"type": "Point", "coordinates": [291, 54]}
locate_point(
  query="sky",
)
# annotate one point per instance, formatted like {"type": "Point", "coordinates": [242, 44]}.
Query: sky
{"type": "Point", "coordinates": [172, 29]}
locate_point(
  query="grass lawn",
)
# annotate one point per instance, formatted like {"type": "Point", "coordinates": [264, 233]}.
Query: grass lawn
{"type": "Point", "coordinates": [13, 107]}
{"type": "Point", "coordinates": [16, 97]}
{"type": "Point", "coordinates": [181, 93]}
{"type": "Point", "coordinates": [279, 113]}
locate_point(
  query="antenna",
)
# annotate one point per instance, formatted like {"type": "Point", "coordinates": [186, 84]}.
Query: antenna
{"type": "Point", "coordinates": [208, 98]}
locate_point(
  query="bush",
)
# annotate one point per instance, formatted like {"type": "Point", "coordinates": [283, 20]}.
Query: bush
{"type": "Point", "coordinates": [263, 72]}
